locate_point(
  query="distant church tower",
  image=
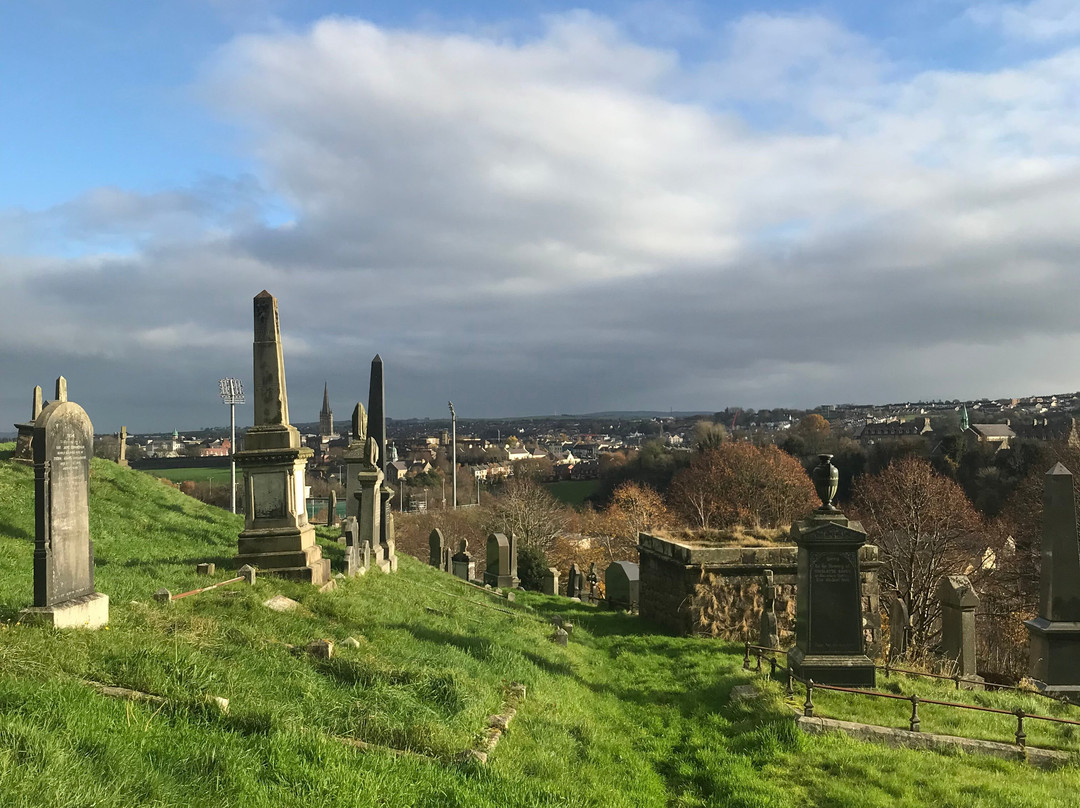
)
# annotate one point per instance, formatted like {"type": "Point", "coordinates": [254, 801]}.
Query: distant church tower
{"type": "Point", "coordinates": [964, 422]}
{"type": "Point", "coordinates": [326, 415]}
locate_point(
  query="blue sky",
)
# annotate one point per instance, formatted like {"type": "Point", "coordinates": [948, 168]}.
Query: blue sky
{"type": "Point", "coordinates": [538, 206]}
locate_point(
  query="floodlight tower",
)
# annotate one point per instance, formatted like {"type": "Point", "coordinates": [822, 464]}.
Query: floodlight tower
{"type": "Point", "coordinates": [453, 452]}
{"type": "Point", "coordinates": [232, 393]}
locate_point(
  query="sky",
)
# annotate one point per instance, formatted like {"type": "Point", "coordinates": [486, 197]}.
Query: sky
{"type": "Point", "coordinates": [537, 207]}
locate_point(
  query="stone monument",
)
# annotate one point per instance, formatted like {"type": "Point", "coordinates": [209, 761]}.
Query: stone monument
{"type": "Point", "coordinates": [593, 579]}
{"type": "Point", "coordinates": [24, 444]}
{"type": "Point", "coordinates": [501, 568]}
{"type": "Point", "coordinates": [121, 449]}
{"type": "Point", "coordinates": [574, 583]}
{"type": "Point", "coordinates": [436, 544]}
{"type": "Point", "coordinates": [357, 553]}
{"type": "Point", "coordinates": [365, 479]}
{"type": "Point", "coordinates": [355, 457]}
{"type": "Point", "coordinates": [377, 420]}
{"type": "Point", "coordinates": [63, 444]}
{"type": "Point", "coordinates": [768, 633]}
{"type": "Point", "coordinates": [622, 585]}
{"type": "Point", "coordinates": [829, 640]}
{"type": "Point", "coordinates": [958, 603]}
{"type": "Point", "coordinates": [463, 565]}
{"type": "Point", "coordinates": [899, 626]}
{"type": "Point", "coordinates": [277, 537]}
{"type": "Point", "coordinates": [1054, 636]}
{"type": "Point", "coordinates": [550, 584]}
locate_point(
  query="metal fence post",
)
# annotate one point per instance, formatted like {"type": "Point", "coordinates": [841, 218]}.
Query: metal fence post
{"type": "Point", "coordinates": [808, 705]}
{"type": "Point", "coordinates": [1021, 736]}
{"type": "Point", "coordinates": [914, 723]}
{"type": "Point", "coordinates": [758, 668]}
{"type": "Point", "coordinates": [746, 657]}
{"type": "Point", "coordinates": [790, 690]}
{"type": "Point", "coordinates": [772, 667]}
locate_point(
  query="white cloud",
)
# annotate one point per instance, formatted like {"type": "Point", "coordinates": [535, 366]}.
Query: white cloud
{"type": "Point", "coordinates": [1037, 20]}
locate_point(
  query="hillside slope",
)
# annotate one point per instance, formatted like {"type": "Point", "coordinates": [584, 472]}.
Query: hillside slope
{"type": "Point", "coordinates": [621, 717]}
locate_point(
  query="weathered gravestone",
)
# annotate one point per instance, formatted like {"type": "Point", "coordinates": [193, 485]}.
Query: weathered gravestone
{"type": "Point", "coordinates": [331, 509]}
{"type": "Point", "coordinates": [357, 551]}
{"type": "Point", "coordinates": [899, 625]}
{"type": "Point", "coordinates": [365, 487]}
{"type": "Point", "coordinates": [1054, 636]}
{"type": "Point", "coordinates": [121, 449]}
{"type": "Point", "coordinates": [63, 444]}
{"type": "Point", "coordinates": [958, 603]}
{"type": "Point", "coordinates": [575, 581]}
{"type": "Point", "coordinates": [829, 640]}
{"type": "Point", "coordinates": [550, 584]}
{"type": "Point", "coordinates": [593, 580]}
{"type": "Point", "coordinates": [621, 585]}
{"type": "Point", "coordinates": [768, 633]}
{"type": "Point", "coordinates": [447, 560]}
{"type": "Point", "coordinates": [24, 444]}
{"type": "Point", "coordinates": [501, 568]}
{"type": "Point", "coordinates": [277, 537]}
{"type": "Point", "coordinates": [436, 545]}
{"type": "Point", "coordinates": [463, 565]}
{"type": "Point", "coordinates": [377, 420]}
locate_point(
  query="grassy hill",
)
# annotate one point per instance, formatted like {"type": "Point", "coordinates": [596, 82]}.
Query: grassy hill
{"type": "Point", "coordinates": [621, 717]}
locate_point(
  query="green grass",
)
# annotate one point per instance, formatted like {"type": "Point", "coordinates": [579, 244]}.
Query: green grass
{"type": "Point", "coordinates": [572, 492]}
{"type": "Point", "coordinates": [621, 717]}
{"type": "Point", "coordinates": [198, 475]}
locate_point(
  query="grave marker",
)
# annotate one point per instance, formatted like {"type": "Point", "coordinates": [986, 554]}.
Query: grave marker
{"type": "Point", "coordinates": [621, 584]}
{"type": "Point", "coordinates": [958, 604]}
{"type": "Point", "coordinates": [501, 561]}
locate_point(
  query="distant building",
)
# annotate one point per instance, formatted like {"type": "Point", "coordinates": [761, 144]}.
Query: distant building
{"type": "Point", "coordinates": [997, 434]}
{"type": "Point", "coordinates": [894, 429]}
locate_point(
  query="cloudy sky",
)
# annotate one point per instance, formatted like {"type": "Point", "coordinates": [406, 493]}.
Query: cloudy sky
{"type": "Point", "coordinates": [538, 207]}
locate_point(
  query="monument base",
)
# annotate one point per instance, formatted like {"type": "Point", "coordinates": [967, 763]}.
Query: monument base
{"type": "Point", "coordinates": [1055, 656]}
{"type": "Point", "coordinates": [843, 670]}
{"type": "Point", "coordinates": [285, 552]}
{"type": "Point", "coordinates": [89, 611]}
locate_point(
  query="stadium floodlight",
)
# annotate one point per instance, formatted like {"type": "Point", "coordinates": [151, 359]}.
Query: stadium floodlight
{"type": "Point", "coordinates": [232, 393]}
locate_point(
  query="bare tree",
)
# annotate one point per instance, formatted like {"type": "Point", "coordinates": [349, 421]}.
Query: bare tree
{"type": "Point", "coordinates": [527, 510]}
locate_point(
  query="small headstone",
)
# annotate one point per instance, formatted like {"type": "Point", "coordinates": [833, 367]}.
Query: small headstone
{"type": "Point", "coordinates": [221, 703]}
{"type": "Point", "coordinates": [163, 596]}
{"type": "Point", "coordinates": [436, 543]}
{"type": "Point", "coordinates": [550, 584]}
{"type": "Point", "coordinates": [622, 585]}
{"type": "Point", "coordinates": [206, 568]}
{"type": "Point", "coordinates": [280, 603]}
{"type": "Point", "coordinates": [321, 649]}
{"type": "Point", "coordinates": [899, 626]}
{"type": "Point", "coordinates": [511, 597]}
{"type": "Point", "coordinates": [63, 443]}
{"type": "Point", "coordinates": [556, 621]}
{"type": "Point", "coordinates": [247, 572]}
{"type": "Point", "coordinates": [568, 627]}
{"type": "Point", "coordinates": [351, 642]}
{"type": "Point", "coordinates": [463, 566]}
{"type": "Point", "coordinates": [958, 603]}
{"type": "Point", "coordinates": [329, 586]}
{"type": "Point", "coordinates": [768, 636]}
{"type": "Point", "coordinates": [573, 583]}
{"type": "Point", "coordinates": [560, 637]}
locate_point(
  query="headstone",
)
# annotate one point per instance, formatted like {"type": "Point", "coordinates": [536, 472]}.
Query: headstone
{"type": "Point", "coordinates": [355, 563]}
{"type": "Point", "coordinates": [463, 565]}
{"type": "Point", "coordinates": [356, 456]}
{"type": "Point", "coordinates": [331, 509]}
{"type": "Point", "coordinates": [550, 584]}
{"type": "Point", "coordinates": [206, 568]}
{"type": "Point", "coordinates": [121, 449]}
{"type": "Point", "coordinates": [63, 443]}
{"type": "Point", "coordinates": [573, 582]}
{"type": "Point", "coordinates": [560, 637]}
{"type": "Point", "coordinates": [621, 585]}
{"type": "Point", "coordinates": [1054, 636]}
{"type": "Point", "coordinates": [247, 572]}
{"type": "Point", "coordinates": [593, 580]}
{"type": "Point", "coordinates": [436, 544]}
{"type": "Point", "coordinates": [447, 560]}
{"type": "Point", "coordinates": [24, 444]}
{"type": "Point", "coordinates": [829, 639]}
{"type": "Point", "coordinates": [501, 561]}
{"type": "Point", "coordinates": [899, 626]}
{"type": "Point", "coordinates": [768, 634]}
{"type": "Point", "coordinates": [277, 537]}
{"type": "Point", "coordinates": [958, 603]}
{"type": "Point", "coordinates": [321, 649]}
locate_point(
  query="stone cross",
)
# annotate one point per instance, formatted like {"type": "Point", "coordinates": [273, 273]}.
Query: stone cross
{"type": "Point", "coordinates": [1054, 636]}
{"type": "Point", "coordinates": [593, 580]}
{"type": "Point", "coordinates": [64, 594]}
{"type": "Point", "coordinates": [958, 603]}
{"type": "Point", "coordinates": [768, 634]}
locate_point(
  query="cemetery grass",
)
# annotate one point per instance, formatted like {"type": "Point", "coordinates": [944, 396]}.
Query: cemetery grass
{"type": "Point", "coordinates": [621, 717]}
{"type": "Point", "coordinates": [204, 474]}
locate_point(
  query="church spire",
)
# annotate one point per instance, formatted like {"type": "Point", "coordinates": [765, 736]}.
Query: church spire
{"type": "Point", "coordinates": [326, 415]}
{"type": "Point", "coordinates": [964, 421]}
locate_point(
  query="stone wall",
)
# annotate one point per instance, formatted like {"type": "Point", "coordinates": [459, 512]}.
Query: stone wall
{"type": "Point", "coordinates": [708, 590]}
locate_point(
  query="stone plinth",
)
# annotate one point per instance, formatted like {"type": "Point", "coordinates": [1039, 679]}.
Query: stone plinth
{"type": "Point", "coordinates": [89, 611]}
{"type": "Point", "coordinates": [1054, 636]}
{"type": "Point", "coordinates": [830, 645]}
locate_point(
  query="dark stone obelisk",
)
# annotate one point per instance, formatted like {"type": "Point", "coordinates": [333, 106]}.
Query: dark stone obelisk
{"type": "Point", "coordinates": [277, 537]}
{"type": "Point", "coordinates": [830, 645]}
{"type": "Point", "coordinates": [377, 432]}
{"type": "Point", "coordinates": [1054, 636]}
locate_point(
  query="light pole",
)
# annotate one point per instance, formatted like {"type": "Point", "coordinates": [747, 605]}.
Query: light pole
{"type": "Point", "coordinates": [232, 393]}
{"type": "Point", "coordinates": [453, 452]}
{"type": "Point", "coordinates": [477, 475]}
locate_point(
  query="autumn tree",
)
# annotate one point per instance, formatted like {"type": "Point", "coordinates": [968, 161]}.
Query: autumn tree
{"type": "Point", "coordinates": [924, 527]}
{"type": "Point", "coordinates": [634, 508]}
{"type": "Point", "coordinates": [708, 435]}
{"type": "Point", "coordinates": [527, 510]}
{"type": "Point", "coordinates": [742, 484]}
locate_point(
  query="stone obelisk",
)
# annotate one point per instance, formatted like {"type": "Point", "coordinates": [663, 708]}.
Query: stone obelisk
{"type": "Point", "coordinates": [277, 537]}
{"type": "Point", "coordinates": [377, 431]}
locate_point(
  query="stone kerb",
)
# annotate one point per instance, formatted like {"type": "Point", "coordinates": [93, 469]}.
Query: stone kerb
{"type": "Point", "coordinates": [63, 444]}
